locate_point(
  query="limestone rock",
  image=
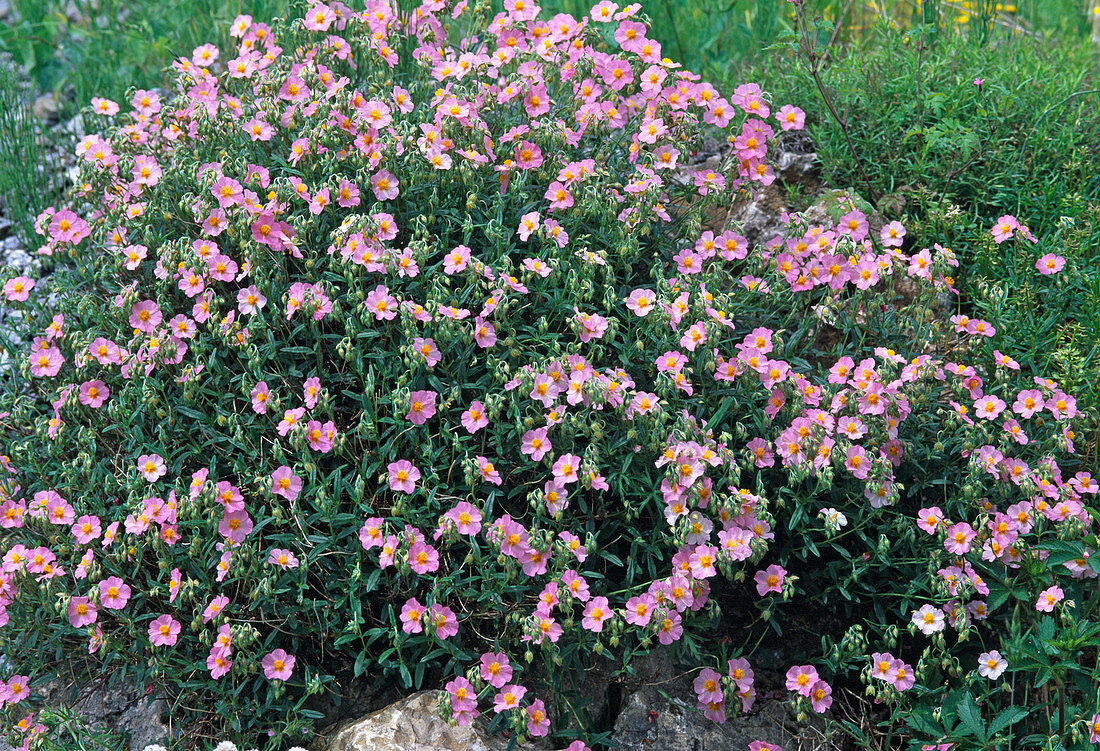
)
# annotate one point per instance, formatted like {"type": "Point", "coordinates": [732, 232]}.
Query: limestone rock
{"type": "Point", "coordinates": [46, 108]}
{"type": "Point", "coordinates": [411, 724]}
{"type": "Point", "coordinates": [650, 722]}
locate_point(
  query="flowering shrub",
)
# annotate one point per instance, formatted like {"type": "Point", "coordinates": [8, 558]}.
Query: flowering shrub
{"type": "Point", "coordinates": [395, 347]}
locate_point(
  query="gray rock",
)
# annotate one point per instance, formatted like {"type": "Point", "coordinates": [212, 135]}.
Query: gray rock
{"type": "Point", "coordinates": [411, 724]}
{"type": "Point", "coordinates": [124, 708]}
{"type": "Point", "coordinates": [46, 108]}
{"type": "Point", "coordinates": [651, 722]}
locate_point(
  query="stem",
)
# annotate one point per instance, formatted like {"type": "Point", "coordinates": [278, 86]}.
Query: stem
{"type": "Point", "coordinates": [1061, 709]}
{"type": "Point", "coordinates": [814, 65]}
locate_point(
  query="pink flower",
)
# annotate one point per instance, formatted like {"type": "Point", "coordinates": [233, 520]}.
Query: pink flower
{"type": "Point", "coordinates": [639, 610]}
{"type": "Point", "coordinates": [250, 301]}
{"type": "Point", "coordinates": [235, 525]}
{"type": "Point", "coordinates": [790, 117]}
{"type": "Point", "coordinates": [508, 698]}
{"type": "Point", "coordinates": [488, 471]}
{"type": "Point", "coordinates": [708, 686]}
{"type": "Point", "coordinates": [801, 679]}
{"type": "Point", "coordinates": [46, 363]}
{"type": "Point", "coordinates": [565, 469]}
{"type": "Point", "coordinates": [821, 696]}
{"type": "Point", "coordinates": [402, 476]}
{"type": "Point", "coordinates": [463, 695]}
{"type": "Point", "coordinates": [536, 444]}
{"type": "Point", "coordinates": [145, 316]}
{"type": "Point", "coordinates": [958, 538]}
{"type": "Point", "coordinates": [93, 394]}
{"type": "Point", "coordinates": [641, 301]}
{"type": "Point", "coordinates": [495, 669]}
{"type": "Point", "coordinates": [473, 419]}
{"type": "Point", "coordinates": [741, 673]}
{"type": "Point", "coordinates": [528, 223]}
{"type": "Point", "coordinates": [456, 260]}
{"type": "Point", "coordinates": [466, 518]}
{"type": "Point", "coordinates": [285, 483]}
{"type": "Point", "coordinates": [670, 629]}
{"type": "Point", "coordinates": [1050, 264]}
{"type": "Point", "coordinates": [901, 676]}
{"type": "Point", "coordinates": [85, 529]}
{"type": "Point", "coordinates": [538, 723]}
{"type": "Point", "coordinates": [1028, 402]}
{"type": "Point", "coordinates": [218, 662]}
{"type": "Point", "coordinates": [104, 107]}
{"type": "Point", "coordinates": [371, 533]}
{"type": "Point", "coordinates": [113, 593]}
{"type": "Point", "coordinates": [385, 185]}
{"type": "Point", "coordinates": [929, 619]}
{"type": "Point", "coordinates": [82, 612]}
{"type": "Point", "coordinates": [290, 420]}
{"type": "Point", "coordinates": [283, 558]}
{"type": "Point", "coordinates": [421, 407]}
{"type": "Point", "coordinates": [770, 579]}
{"type": "Point", "coordinates": [278, 665]}
{"type": "Point", "coordinates": [18, 289]}
{"type": "Point", "coordinates": [1061, 406]}
{"type": "Point", "coordinates": [1004, 227]}
{"type": "Point", "coordinates": [1094, 729]}
{"type": "Point", "coordinates": [382, 303]}
{"type": "Point", "coordinates": [596, 612]}
{"type": "Point", "coordinates": [484, 333]}
{"type": "Point", "coordinates": [151, 467]}
{"type": "Point", "coordinates": [16, 690]}
{"type": "Point", "coordinates": [423, 558]}
{"type": "Point", "coordinates": [445, 620]}
{"type": "Point", "coordinates": [411, 614]}
{"type": "Point", "coordinates": [214, 607]}
{"type": "Point", "coordinates": [858, 462]}
{"type": "Point", "coordinates": [991, 665]}
{"type": "Point", "coordinates": [892, 235]}
{"type": "Point", "coordinates": [164, 631]}
{"type": "Point", "coordinates": [320, 436]}
{"type": "Point", "coordinates": [427, 349]}
{"type": "Point", "coordinates": [988, 407]}
{"type": "Point", "coordinates": [1048, 598]}
{"type": "Point", "coordinates": [260, 395]}
{"type": "Point", "coordinates": [930, 519]}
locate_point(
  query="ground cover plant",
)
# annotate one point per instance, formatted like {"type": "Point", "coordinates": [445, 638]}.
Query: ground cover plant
{"type": "Point", "coordinates": [949, 128]}
{"type": "Point", "coordinates": [396, 347]}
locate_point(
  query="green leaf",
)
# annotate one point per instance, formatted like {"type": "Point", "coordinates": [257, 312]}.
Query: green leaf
{"type": "Point", "coordinates": [1007, 717]}
{"type": "Point", "coordinates": [971, 717]}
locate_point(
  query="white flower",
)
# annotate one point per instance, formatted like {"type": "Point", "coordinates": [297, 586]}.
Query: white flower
{"type": "Point", "coordinates": [929, 619]}
{"type": "Point", "coordinates": [834, 520]}
{"type": "Point", "coordinates": [154, 747]}
{"type": "Point", "coordinates": [991, 665]}
{"type": "Point", "coordinates": [226, 746]}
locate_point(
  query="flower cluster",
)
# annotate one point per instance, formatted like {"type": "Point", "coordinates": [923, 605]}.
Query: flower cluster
{"type": "Point", "coordinates": [407, 343]}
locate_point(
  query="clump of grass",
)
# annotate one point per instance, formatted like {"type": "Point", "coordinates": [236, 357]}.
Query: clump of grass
{"type": "Point", "coordinates": [25, 160]}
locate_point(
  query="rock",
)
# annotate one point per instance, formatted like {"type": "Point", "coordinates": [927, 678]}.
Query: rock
{"type": "Point", "coordinates": [46, 108]}
{"type": "Point", "coordinates": [650, 722]}
{"type": "Point", "coordinates": [124, 708]}
{"type": "Point", "coordinates": [411, 724]}
{"type": "Point", "coordinates": [795, 166]}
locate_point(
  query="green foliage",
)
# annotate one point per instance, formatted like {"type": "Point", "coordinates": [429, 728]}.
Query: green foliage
{"type": "Point", "coordinates": [86, 48]}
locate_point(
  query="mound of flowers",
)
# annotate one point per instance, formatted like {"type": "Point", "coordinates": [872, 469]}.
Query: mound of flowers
{"type": "Point", "coordinates": [395, 347]}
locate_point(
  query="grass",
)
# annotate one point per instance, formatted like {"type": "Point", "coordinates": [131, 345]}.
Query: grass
{"type": "Point", "coordinates": [25, 157]}
{"type": "Point", "coordinates": [108, 46]}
